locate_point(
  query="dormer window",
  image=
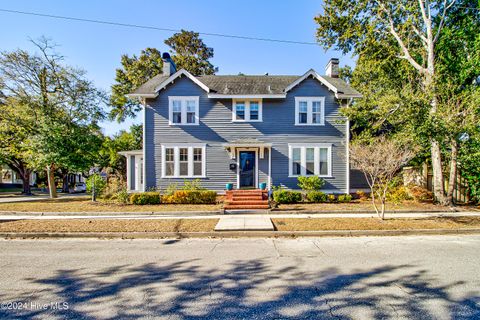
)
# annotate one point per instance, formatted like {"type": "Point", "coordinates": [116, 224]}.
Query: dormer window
{"type": "Point", "coordinates": [183, 110]}
{"type": "Point", "coordinates": [247, 110]}
{"type": "Point", "coordinates": [309, 111]}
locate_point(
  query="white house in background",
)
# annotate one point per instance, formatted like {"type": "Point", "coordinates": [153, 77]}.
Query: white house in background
{"type": "Point", "coordinates": [9, 178]}
{"type": "Point", "coordinates": [134, 170]}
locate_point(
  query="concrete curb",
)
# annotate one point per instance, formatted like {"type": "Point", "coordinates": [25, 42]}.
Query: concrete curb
{"type": "Point", "coordinates": [113, 213]}
{"type": "Point", "coordinates": [236, 234]}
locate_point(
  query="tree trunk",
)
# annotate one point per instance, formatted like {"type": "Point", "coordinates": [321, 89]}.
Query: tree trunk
{"type": "Point", "coordinates": [438, 186]}
{"type": "Point", "coordinates": [51, 181]}
{"type": "Point", "coordinates": [453, 172]}
{"type": "Point", "coordinates": [65, 183]}
{"type": "Point", "coordinates": [26, 185]}
{"type": "Point", "coordinates": [21, 169]}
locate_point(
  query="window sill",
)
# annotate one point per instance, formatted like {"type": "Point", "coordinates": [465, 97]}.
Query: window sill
{"type": "Point", "coordinates": [309, 124]}
{"type": "Point", "coordinates": [182, 124]}
{"type": "Point", "coordinates": [242, 121]}
{"type": "Point", "coordinates": [184, 177]}
{"type": "Point", "coordinates": [327, 176]}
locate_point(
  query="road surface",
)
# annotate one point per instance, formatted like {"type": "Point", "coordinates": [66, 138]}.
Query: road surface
{"type": "Point", "coordinates": [431, 277]}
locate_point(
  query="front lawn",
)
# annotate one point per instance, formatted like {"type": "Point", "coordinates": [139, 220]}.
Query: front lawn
{"type": "Point", "coordinates": [365, 206]}
{"type": "Point", "coordinates": [318, 224]}
{"type": "Point", "coordinates": [83, 204]}
{"type": "Point", "coordinates": [109, 225]}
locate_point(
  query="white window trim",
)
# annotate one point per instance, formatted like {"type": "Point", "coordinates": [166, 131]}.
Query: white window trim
{"type": "Point", "coordinates": [303, 158]}
{"type": "Point", "coordinates": [309, 101]}
{"type": "Point", "coordinates": [183, 100]}
{"type": "Point", "coordinates": [176, 160]}
{"type": "Point", "coordinates": [247, 110]}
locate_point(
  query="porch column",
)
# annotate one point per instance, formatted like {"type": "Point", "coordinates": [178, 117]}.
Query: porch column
{"type": "Point", "coordinates": [269, 168]}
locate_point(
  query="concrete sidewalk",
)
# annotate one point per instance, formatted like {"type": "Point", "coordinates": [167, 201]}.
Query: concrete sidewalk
{"type": "Point", "coordinates": [23, 216]}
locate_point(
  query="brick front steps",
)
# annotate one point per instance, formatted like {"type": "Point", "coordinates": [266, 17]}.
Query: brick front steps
{"type": "Point", "coordinates": [246, 199]}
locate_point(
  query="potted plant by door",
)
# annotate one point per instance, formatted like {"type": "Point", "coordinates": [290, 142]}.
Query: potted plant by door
{"type": "Point", "coordinates": [229, 186]}
{"type": "Point", "coordinates": [262, 185]}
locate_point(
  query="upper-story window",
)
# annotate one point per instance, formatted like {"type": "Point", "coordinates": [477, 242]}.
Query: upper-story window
{"type": "Point", "coordinates": [183, 110]}
{"type": "Point", "coordinates": [310, 111]}
{"type": "Point", "coordinates": [247, 110]}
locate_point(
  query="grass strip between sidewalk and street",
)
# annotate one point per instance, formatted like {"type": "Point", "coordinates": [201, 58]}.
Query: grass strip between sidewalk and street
{"type": "Point", "coordinates": [207, 225]}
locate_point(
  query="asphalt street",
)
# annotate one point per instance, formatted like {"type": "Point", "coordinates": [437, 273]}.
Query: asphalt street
{"type": "Point", "coordinates": [431, 277]}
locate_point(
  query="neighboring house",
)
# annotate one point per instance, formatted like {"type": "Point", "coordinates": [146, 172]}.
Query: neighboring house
{"type": "Point", "coordinates": [243, 130]}
{"type": "Point", "coordinates": [10, 179]}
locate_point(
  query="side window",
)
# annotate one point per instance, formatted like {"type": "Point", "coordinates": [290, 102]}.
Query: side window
{"type": "Point", "coordinates": [183, 110]}
{"type": "Point", "coordinates": [310, 111]}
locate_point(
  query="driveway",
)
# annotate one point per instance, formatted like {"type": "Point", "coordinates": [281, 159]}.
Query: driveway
{"type": "Point", "coordinates": [434, 277]}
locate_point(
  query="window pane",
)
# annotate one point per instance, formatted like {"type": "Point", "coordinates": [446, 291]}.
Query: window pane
{"type": "Point", "coordinates": [183, 154]}
{"type": "Point", "coordinates": [169, 168]}
{"type": "Point", "coordinates": [169, 154]}
{"type": "Point", "coordinates": [177, 105]}
{"type": "Point", "coordinates": [191, 105]}
{"type": "Point", "coordinates": [310, 161]}
{"type": "Point", "coordinates": [184, 168]}
{"type": "Point", "coordinates": [197, 154]}
{"type": "Point", "coordinates": [302, 106]}
{"type": "Point", "coordinates": [296, 162]}
{"type": "Point", "coordinates": [197, 168]}
{"type": "Point", "coordinates": [316, 106]}
{"type": "Point", "coordinates": [316, 118]}
{"type": "Point", "coordinates": [190, 117]}
{"type": "Point", "coordinates": [254, 110]}
{"type": "Point", "coordinates": [323, 161]}
{"type": "Point", "coordinates": [240, 110]}
{"type": "Point", "coordinates": [302, 118]}
{"type": "Point", "coordinates": [169, 164]}
{"type": "Point", "coordinates": [177, 117]}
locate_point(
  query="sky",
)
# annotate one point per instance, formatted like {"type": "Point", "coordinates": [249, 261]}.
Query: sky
{"type": "Point", "coordinates": [97, 48]}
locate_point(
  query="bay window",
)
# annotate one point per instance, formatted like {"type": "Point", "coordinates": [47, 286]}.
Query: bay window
{"type": "Point", "coordinates": [309, 160]}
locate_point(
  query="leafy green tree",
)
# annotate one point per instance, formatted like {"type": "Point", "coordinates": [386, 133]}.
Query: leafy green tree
{"type": "Point", "coordinates": [188, 51]}
{"type": "Point", "coordinates": [413, 29]}
{"type": "Point", "coordinates": [109, 158]}
{"type": "Point", "coordinates": [64, 104]}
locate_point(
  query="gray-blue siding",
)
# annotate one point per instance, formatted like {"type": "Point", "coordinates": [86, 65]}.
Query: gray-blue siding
{"type": "Point", "coordinates": [216, 128]}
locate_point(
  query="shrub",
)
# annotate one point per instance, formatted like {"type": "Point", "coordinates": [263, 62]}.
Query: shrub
{"type": "Point", "coordinates": [419, 193]}
{"type": "Point", "coordinates": [190, 197]}
{"type": "Point", "coordinates": [114, 185]}
{"type": "Point", "coordinates": [316, 196]}
{"type": "Point", "coordinates": [345, 198]}
{"type": "Point", "coordinates": [143, 198]}
{"type": "Point", "coordinates": [361, 195]}
{"type": "Point", "coordinates": [100, 184]}
{"type": "Point", "coordinates": [195, 184]}
{"type": "Point", "coordinates": [172, 187]}
{"type": "Point", "coordinates": [312, 183]}
{"type": "Point", "coordinates": [122, 196]}
{"type": "Point", "coordinates": [399, 194]}
{"type": "Point", "coordinates": [331, 198]}
{"type": "Point", "coordinates": [287, 196]}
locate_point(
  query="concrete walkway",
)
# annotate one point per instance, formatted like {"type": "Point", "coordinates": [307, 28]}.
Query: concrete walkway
{"type": "Point", "coordinates": [248, 223]}
{"type": "Point", "coordinates": [22, 216]}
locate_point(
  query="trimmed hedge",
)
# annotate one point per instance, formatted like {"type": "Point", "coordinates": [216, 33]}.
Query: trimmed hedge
{"type": "Point", "coordinates": [143, 198]}
{"type": "Point", "coordinates": [287, 196]}
{"type": "Point", "coordinates": [316, 196]}
{"type": "Point", "coordinates": [191, 197]}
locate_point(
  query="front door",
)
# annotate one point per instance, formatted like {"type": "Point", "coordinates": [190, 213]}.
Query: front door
{"type": "Point", "coordinates": [247, 169]}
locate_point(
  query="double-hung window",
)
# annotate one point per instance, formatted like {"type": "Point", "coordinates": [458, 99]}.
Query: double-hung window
{"type": "Point", "coordinates": [310, 111]}
{"type": "Point", "coordinates": [310, 160]}
{"type": "Point", "coordinates": [183, 110]}
{"type": "Point", "coordinates": [247, 110]}
{"type": "Point", "coordinates": [183, 161]}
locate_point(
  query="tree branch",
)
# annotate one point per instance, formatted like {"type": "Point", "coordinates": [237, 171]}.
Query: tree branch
{"type": "Point", "coordinates": [442, 19]}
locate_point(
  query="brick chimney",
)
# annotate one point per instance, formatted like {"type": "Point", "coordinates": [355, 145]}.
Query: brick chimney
{"type": "Point", "coordinates": [331, 70]}
{"type": "Point", "coordinates": [169, 66]}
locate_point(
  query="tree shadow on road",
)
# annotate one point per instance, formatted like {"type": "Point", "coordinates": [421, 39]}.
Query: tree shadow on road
{"type": "Point", "coordinates": [260, 289]}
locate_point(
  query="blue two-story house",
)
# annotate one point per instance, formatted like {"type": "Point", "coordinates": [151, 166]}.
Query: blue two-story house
{"type": "Point", "coordinates": [244, 130]}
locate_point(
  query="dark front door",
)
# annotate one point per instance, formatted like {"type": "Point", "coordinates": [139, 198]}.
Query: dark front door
{"type": "Point", "coordinates": [247, 169]}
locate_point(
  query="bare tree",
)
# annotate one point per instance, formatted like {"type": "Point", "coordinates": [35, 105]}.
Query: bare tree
{"type": "Point", "coordinates": [380, 161]}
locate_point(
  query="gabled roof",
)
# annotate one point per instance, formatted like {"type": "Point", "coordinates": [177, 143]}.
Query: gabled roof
{"type": "Point", "coordinates": [263, 86]}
